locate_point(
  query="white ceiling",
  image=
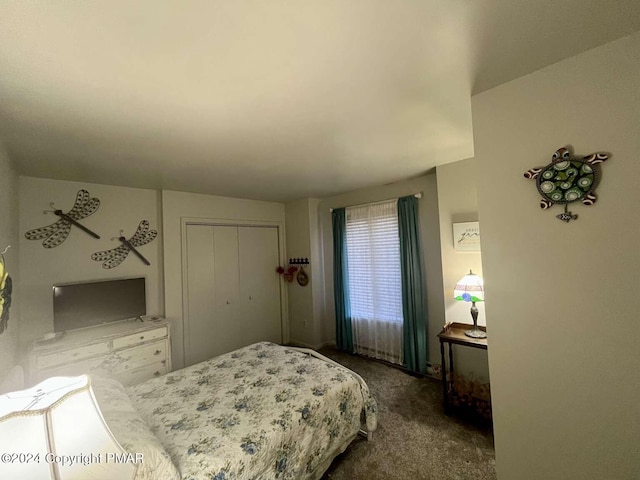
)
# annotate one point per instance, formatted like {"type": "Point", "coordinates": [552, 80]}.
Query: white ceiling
{"type": "Point", "coordinates": [268, 99]}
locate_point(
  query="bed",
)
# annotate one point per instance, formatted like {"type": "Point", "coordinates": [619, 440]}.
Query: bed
{"type": "Point", "coordinates": [261, 412]}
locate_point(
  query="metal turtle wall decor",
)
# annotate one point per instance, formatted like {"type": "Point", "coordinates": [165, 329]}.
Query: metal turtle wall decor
{"type": "Point", "coordinates": [568, 179]}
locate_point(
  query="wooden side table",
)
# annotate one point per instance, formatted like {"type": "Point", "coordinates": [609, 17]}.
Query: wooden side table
{"type": "Point", "coordinates": [454, 333]}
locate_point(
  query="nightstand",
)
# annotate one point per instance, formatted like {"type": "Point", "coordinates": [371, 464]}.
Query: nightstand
{"type": "Point", "coordinates": [454, 334]}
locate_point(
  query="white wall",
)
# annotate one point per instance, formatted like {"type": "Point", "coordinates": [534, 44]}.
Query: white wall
{"type": "Point", "coordinates": [317, 274]}
{"type": "Point", "coordinates": [41, 268]}
{"type": "Point", "coordinates": [457, 202]}
{"type": "Point", "coordinates": [121, 207]}
{"type": "Point", "coordinates": [561, 298]}
{"type": "Point", "coordinates": [9, 236]}
{"type": "Point", "coordinates": [306, 304]}
{"type": "Point", "coordinates": [301, 317]}
{"type": "Point", "coordinates": [179, 205]}
{"type": "Point", "coordinates": [430, 237]}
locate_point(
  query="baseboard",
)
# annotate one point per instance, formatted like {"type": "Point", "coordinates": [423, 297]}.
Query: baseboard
{"type": "Point", "coordinates": [429, 374]}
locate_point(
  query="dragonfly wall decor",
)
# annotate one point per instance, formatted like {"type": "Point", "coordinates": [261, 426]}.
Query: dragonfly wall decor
{"type": "Point", "coordinates": [57, 232]}
{"type": "Point", "coordinates": [114, 257]}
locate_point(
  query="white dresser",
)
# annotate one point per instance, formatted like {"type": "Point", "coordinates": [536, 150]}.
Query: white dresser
{"type": "Point", "coordinates": [130, 351]}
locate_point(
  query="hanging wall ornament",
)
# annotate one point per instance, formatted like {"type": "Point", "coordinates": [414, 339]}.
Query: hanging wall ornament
{"type": "Point", "coordinates": [56, 233]}
{"type": "Point", "coordinates": [568, 179]}
{"type": "Point", "coordinates": [114, 257]}
{"type": "Point", "coordinates": [6, 287]}
{"type": "Point", "coordinates": [302, 277]}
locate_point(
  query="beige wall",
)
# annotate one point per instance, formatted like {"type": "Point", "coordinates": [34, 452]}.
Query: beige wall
{"type": "Point", "coordinates": [41, 268]}
{"type": "Point", "coordinates": [457, 202]}
{"type": "Point", "coordinates": [9, 236]}
{"type": "Point", "coordinates": [121, 207]}
{"type": "Point", "coordinates": [306, 304]}
{"type": "Point", "coordinates": [430, 236]}
{"type": "Point", "coordinates": [561, 298]}
{"type": "Point", "coordinates": [302, 317]}
{"type": "Point", "coordinates": [317, 274]}
{"type": "Point", "coordinates": [179, 205]}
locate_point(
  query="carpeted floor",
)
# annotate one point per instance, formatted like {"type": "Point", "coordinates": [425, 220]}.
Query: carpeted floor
{"type": "Point", "coordinates": [414, 439]}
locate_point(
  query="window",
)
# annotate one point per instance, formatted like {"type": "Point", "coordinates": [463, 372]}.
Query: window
{"type": "Point", "coordinates": [373, 252]}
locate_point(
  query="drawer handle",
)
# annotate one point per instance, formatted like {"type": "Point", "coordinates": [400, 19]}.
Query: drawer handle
{"type": "Point", "coordinates": [157, 352]}
{"type": "Point", "coordinates": [157, 374]}
{"type": "Point", "coordinates": [228, 302]}
{"type": "Point", "coordinates": [164, 362]}
{"type": "Point", "coordinates": [141, 337]}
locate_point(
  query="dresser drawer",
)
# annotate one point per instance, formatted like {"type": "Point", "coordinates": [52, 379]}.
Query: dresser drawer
{"type": "Point", "coordinates": [137, 338]}
{"type": "Point", "coordinates": [127, 351]}
{"type": "Point", "coordinates": [114, 364]}
{"type": "Point", "coordinates": [138, 375]}
{"type": "Point", "coordinates": [135, 357]}
{"type": "Point", "coordinates": [68, 356]}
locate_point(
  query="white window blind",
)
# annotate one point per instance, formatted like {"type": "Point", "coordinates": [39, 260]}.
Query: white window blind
{"type": "Point", "coordinates": [373, 251]}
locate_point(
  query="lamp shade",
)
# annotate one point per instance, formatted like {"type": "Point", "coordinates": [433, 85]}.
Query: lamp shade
{"type": "Point", "coordinates": [55, 431]}
{"type": "Point", "coordinates": [469, 288]}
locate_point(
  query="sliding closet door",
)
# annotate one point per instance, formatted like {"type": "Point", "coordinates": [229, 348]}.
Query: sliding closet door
{"type": "Point", "coordinates": [231, 289]}
{"type": "Point", "coordinates": [227, 332]}
{"type": "Point", "coordinates": [211, 326]}
{"type": "Point", "coordinates": [259, 284]}
{"type": "Point", "coordinates": [200, 304]}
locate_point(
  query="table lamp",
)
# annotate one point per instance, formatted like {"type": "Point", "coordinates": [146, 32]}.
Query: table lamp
{"type": "Point", "coordinates": [469, 289]}
{"type": "Point", "coordinates": [55, 431]}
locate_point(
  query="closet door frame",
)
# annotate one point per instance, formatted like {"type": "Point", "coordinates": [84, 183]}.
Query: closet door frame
{"type": "Point", "coordinates": [214, 222]}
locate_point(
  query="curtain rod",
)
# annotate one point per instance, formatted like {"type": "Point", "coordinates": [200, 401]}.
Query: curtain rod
{"type": "Point", "coordinates": [417, 195]}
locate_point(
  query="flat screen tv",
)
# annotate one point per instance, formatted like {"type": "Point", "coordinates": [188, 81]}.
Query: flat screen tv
{"type": "Point", "coordinates": [80, 305]}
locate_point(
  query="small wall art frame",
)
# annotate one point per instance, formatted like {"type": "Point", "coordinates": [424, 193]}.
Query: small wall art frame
{"type": "Point", "coordinates": [466, 236]}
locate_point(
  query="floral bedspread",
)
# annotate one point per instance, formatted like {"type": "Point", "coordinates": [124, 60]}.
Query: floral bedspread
{"type": "Point", "coordinates": [260, 412]}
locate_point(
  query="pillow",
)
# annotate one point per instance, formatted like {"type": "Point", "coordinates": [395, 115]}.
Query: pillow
{"type": "Point", "coordinates": [131, 431]}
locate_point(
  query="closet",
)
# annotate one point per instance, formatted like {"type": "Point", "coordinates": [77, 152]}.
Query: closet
{"type": "Point", "coordinates": [231, 288]}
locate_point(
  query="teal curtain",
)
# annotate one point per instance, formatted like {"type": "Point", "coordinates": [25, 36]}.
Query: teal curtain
{"type": "Point", "coordinates": [344, 335]}
{"type": "Point", "coordinates": [413, 287]}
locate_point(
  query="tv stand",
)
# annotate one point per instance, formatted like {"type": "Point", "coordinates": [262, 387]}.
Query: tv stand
{"type": "Point", "coordinates": [130, 351]}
